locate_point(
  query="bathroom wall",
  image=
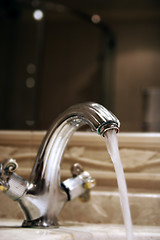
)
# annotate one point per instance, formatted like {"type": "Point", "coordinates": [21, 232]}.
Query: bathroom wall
{"type": "Point", "coordinates": [136, 66]}
{"type": "Point", "coordinates": [67, 53]}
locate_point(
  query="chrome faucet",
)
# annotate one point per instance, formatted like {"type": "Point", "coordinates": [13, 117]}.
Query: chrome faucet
{"type": "Point", "coordinates": [43, 196]}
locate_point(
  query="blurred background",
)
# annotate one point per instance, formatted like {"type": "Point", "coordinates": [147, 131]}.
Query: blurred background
{"type": "Point", "coordinates": [54, 54]}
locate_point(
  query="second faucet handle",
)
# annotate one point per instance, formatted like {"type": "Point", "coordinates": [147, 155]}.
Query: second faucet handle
{"type": "Point", "coordinates": [79, 185]}
{"type": "Point", "coordinates": [76, 169]}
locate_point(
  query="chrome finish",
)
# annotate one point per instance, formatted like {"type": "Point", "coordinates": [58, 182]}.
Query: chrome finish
{"type": "Point", "coordinates": [44, 197]}
{"type": "Point", "coordinates": [17, 187]}
{"type": "Point", "coordinates": [76, 169]}
{"type": "Point", "coordinates": [10, 165]}
{"type": "Point", "coordinates": [10, 183]}
{"type": "Point", "coordinates": [6, 168]}
{"type": "Point", "coordinates": [77, 186]}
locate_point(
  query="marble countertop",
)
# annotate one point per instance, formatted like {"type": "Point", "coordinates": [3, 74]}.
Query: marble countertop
{"type": "Point", "coordinates": [10, 229]}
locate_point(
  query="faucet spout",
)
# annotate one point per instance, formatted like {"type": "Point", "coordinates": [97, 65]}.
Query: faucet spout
{"type": "Point", "coordinates": [44, 197]}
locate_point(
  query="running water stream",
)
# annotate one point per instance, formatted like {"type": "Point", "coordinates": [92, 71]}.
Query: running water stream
{"type": "Point", "coordinates": [112, 146]}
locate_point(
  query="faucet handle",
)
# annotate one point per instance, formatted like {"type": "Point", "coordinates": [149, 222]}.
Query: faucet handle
{"type": "Point", "coordinates": [88, 184]}
{"type": "Point", "coordinates": [7, 167]}
{"type": "Point", "coordinates": [79, 185]}
{"type": "Point", "coordinates": [10, 183]}
{"type": "Point", "coordinates": [76, 169]}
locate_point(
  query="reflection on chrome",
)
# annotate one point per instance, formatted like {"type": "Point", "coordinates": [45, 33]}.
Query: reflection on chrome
{"type": "Point", "coordinates": [43, 196]}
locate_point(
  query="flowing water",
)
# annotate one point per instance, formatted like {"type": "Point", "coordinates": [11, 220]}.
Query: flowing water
{"type": "Point", "coordinates": [112, 146]}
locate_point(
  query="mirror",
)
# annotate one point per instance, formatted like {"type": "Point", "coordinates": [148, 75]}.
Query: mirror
{"type": "Point", "coordinates": [55, 55]}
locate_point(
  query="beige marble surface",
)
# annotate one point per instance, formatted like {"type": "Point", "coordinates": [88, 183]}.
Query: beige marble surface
{"type": "Point", "coordinates": [103, 207]}
{"type": "Point", "coordinates": [11, 229]}
{"type": "Point", "coordinates": [140, 158]}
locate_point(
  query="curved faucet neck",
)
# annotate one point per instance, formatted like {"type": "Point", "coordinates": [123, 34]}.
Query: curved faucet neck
{"type": "Point", "coordinates": [52, 148]}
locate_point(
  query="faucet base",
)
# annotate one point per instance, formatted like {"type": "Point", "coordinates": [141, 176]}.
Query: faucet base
{"type": "Point", "coordinates": [40, 223]}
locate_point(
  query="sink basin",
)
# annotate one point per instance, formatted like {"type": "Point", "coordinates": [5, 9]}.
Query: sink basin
{"type": "Point", "coordinates": [10, 229]}
{"type": "Point", "coordinates": [100, 218]}
{"type": "Point", "coordinates": [104, 207]}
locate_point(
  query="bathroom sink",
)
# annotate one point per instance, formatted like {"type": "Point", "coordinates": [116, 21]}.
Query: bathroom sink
{"type": "Point", "coordinates": [10, 229]}
{"type": "Point", "coordinates": [104, 207]}
{"type": "Point", "coordinates": [100, 218]}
